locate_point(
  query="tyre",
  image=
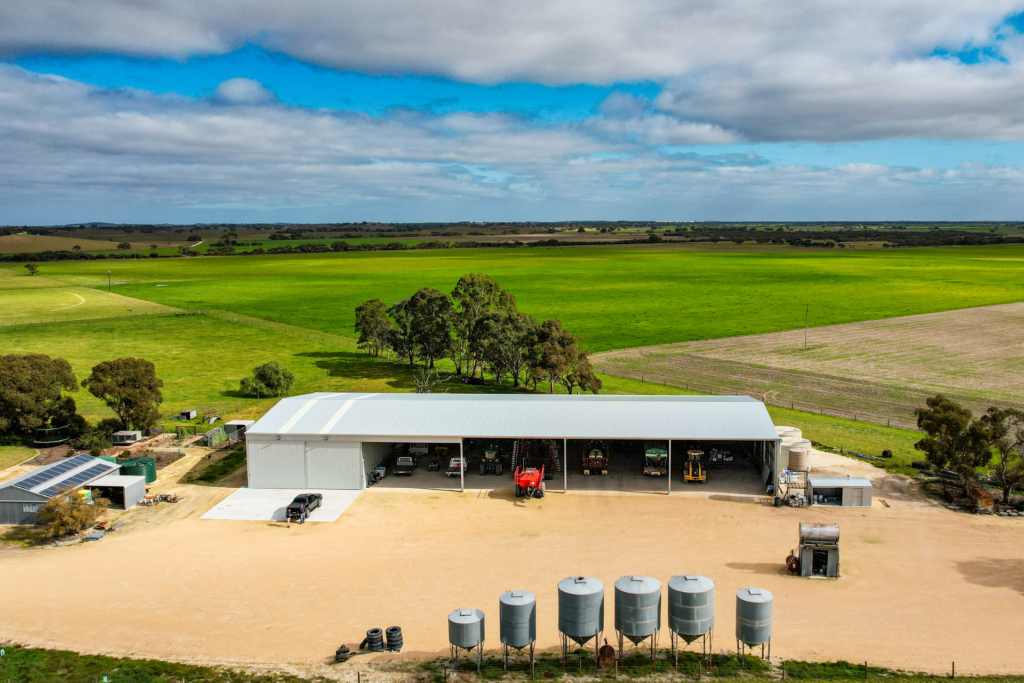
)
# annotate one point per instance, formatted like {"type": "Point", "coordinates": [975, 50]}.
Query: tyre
{"type": "Point", "coordinates": [483, 469]}
{"type": "Point", "coordinates": [519, 491]}
{"type": "Point", "coordinates": [497, 469]}
{"type": "Point", "coordinates": [540, 491]}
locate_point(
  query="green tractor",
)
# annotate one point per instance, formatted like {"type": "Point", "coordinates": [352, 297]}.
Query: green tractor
{"type": "Point", "coordinates": [491, 463]}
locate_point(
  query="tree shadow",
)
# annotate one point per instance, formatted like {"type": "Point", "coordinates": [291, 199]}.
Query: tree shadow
{"type": "Point", "coordinates": [24, 536]}
{"type": "Point", "coordinates": [355, 365]}
{"type": "Point", "coordinates": [994, 573]}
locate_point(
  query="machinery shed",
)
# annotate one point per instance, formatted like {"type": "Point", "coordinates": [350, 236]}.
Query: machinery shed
{"type": "Point", "coordinates": [333, 441]}
{"type": "Point", "coordinates": [123, 491]}
{"type": "Point", "coordinates": [839, 491]}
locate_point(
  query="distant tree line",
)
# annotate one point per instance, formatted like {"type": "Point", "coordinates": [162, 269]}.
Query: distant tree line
{"type": "Point", "coordinates": [479, 328]}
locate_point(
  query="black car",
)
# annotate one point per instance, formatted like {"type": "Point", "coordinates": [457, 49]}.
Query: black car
{"type": "Point", "coordinates": [303, 504]}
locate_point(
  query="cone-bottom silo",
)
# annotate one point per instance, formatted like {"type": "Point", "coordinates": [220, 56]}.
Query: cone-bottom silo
{"type": "Point", "coordinates": [518, 622]}
{"type": "Point", "coordinates": [754, 620]}
{"type": "Point", "coordinates": [691, 611]}
{"type": "Point", "coordinates": [580, 613]}
{"type": "Point", "coordinates": [638, 611]}
{"type": "Point", "coordinates": [465, 632]}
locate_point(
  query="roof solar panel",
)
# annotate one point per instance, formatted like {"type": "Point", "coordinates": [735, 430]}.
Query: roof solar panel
{"type": "Point", "coordinates": [53, 471]}
{"type": "Point", "coordinates": [77, 479]}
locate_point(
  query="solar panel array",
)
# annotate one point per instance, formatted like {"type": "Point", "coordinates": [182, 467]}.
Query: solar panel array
{"type": "Point", "coordinates": [50, 473]}
{"type": "Point", "coordinates": [80, 478]}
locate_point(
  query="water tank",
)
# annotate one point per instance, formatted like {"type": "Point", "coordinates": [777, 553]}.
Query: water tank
{"type": "Point", "coordinates": [132, 468]}
{"type": "Point", "coordinates": [637, 607]}
{"type": "Point", "coordinates": [819, 533]}
{"type": "Point", "coordinates": [783, 432]}
{"type": "Point", "coordinates": [149, 465]}
{"type": "Point", "coordinates": [691, 606]}
{"type": "Point", "coordinates": [580, 608]}
{"type": "Point", "coordinates": [753, 616]}
{"type": "Point", "coordinates": [518, 618]}
{"type": "Point", "coordinates": [466, 628]}
{"type": "Point", "coordinates": [798, 459]}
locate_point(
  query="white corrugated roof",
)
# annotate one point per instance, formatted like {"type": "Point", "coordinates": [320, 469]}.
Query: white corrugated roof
{"type": "Point", "coordinates": [838, 482]}
{"type": "Point", "coordinates": [518, 415]}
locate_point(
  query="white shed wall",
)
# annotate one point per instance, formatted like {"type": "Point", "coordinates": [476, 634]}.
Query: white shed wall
{"type": "Point", "coordinates": [276, 464]}
{"type": "Point", "coordinates": [334, 465]}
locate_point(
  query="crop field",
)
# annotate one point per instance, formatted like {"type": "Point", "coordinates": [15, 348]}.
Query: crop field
{"type": "Point", "coordinates": [616, 298]}
{"type": "Point", "coordinates": [879, 370]}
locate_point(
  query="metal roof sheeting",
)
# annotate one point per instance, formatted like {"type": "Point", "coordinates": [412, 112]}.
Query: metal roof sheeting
{"type": "Point", "coordinates": [838, 482]}
{"type": "Point", "coordinates": [407, 416]}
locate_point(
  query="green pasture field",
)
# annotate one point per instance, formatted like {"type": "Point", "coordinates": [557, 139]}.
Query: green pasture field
{"type": "Point", "coordinates": [202, 359]}
{"type": "Point", "coordinates": [615, 297]}
{"type": "Point", "coordinates": [12, 455]}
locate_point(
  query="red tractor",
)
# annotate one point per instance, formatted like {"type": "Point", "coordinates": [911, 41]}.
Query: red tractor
{"type": "Point", "coordinates": [529, 482]}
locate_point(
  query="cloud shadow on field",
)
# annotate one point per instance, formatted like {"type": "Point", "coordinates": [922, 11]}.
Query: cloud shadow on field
{"type": "Point", "coordinates": [994, 573]}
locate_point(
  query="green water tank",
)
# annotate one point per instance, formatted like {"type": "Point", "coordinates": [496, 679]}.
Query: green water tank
{"type": "Point", "coordinates": [132, 468]}
{"type": "Point", "coordinates": [149, 464]}
{"type": "Point", "coordinates": [109, 458]}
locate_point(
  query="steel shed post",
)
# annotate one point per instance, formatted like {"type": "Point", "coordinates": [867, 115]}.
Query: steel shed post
{"type": "Point", "coordinates": [565, 466]}
{"type": "Point", "coordinates": [462, 467]}
{"type": "Point", "coordinates": [669, 467]}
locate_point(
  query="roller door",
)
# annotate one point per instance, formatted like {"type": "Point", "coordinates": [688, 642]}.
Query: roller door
{"type": "Point", "coordinates": [277, 465]}
{"type": "Point", "coordinates": [334, 465]}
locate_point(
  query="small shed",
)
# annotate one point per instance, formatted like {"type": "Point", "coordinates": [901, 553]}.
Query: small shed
{"type": "Point", "coordinates": [125, 438]}
{"type": "Point", "coordinates": [123, 491]}
{"type": "Point", "coordinates": [818, 550]}
{"type": "Point", "coordinates": [235, 429]}
{"type": "Point", "coordinates": [188, 415]}
{"type": "Point", "coordinates": [839, 491]}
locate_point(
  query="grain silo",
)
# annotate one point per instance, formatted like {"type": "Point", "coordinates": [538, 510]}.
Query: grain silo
{"type": "Point", "coordinates": [466, 632]}
{"type": "Point", "coordinates": [754, 620]}
{"type": "Point", "coordinates": [518, 622]}
{"type": "Point", "coordinates": [580, 612]}
{"type": "Point", "coordinates": [638, 611]}
{"type": "Point", "coordinates": [691, 611]}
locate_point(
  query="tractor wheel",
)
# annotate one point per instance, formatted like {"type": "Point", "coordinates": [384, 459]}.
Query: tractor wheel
{"type": "Point", "coordinates": [540, 491]}
{"type": "Point", "coordinates": [497, 468]}
{"type": "Point", "coordinates": [519, 491]}
{"type": "Point", "coordinates": [483, 469]}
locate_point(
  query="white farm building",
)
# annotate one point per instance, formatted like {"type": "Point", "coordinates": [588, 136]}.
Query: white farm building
{"type": "Point", "coordinates": [328, 441]}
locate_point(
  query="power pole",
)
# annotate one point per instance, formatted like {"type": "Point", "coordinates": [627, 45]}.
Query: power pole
{"type": "Point", "coordinates": [807, 313]}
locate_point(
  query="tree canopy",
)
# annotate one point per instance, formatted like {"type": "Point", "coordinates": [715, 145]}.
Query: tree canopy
{"type": "Point", "coordinates": [32, 390]}
{"type": "Point", "coordinates": [269, 379]}
{"type": "Point", "coordinates": [373, 326]}
{"type": "Point", "coordinates": [954, 440]}
{"type": "Point", "coordinates": [129, 387]}
{"type": "Point", "coordinates": [1006, 429]}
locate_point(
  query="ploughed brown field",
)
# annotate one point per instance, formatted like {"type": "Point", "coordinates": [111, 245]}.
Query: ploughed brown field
{"type": "Point", "coordinates": [880, 370]}
{"type": "Point", "coordinates": [921, 585]}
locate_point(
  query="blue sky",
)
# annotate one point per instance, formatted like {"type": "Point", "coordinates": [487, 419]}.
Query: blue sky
{"type": "Point", "coordinates": [903, 109]}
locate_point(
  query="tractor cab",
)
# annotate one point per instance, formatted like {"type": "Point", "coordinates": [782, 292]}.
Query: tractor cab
{"type": "Point", "coordinates": [695, 467]}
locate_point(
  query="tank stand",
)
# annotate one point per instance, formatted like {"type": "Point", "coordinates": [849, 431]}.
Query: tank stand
{"type": "Point", "coordinates": [453, 655]}
{"type": "Point", "coordinates": [565, 649]}
{"type": "Point", "coordinates": [706, 645]}
{"type": "Point", "coordinates": [741, 648]}
{"type": "Point", "coordinates": [652, 643]}
{"type": "Point", "coordinates": [506, 651]}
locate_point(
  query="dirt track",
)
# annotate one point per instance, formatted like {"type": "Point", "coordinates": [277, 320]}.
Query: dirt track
{"type": "Point", "coordinates": [880, 370]}
{"type": "Point", "coordinates": [173, 586]}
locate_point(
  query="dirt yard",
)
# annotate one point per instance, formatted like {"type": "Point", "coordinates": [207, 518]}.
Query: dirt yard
{"type": "Point", "coordinates": [921, 586]}
{"type": "Point", "coordinates": [880, 370]}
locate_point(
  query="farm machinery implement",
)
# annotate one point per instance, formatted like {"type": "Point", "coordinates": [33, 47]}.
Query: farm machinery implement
{"type": "Point", "coordinates": [695, 467]}
{"type": "Point", "coordinates": [595, 457]}
{"type": "Point", "coordinates": [529, 482]}
{"type": "Point", "coordinates": [541, 454]}
{"type": "Point", "coordinates": [655, 460]}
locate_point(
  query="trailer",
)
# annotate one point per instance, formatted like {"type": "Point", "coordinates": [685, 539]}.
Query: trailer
{"type": "Point", "coordinates": [539, 454]}
{"type": "Point", "coordinates": [655, 460]}
{"type": "Point", "coordinates": [529, 482]}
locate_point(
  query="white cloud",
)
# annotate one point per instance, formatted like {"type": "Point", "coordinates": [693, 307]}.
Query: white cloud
{"type": "Point", "coordinates": [72, 151]}
{"type": "Point", "coordinates": [243, 91]}
{"type": "Point", "coordinates": [733, 69]}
